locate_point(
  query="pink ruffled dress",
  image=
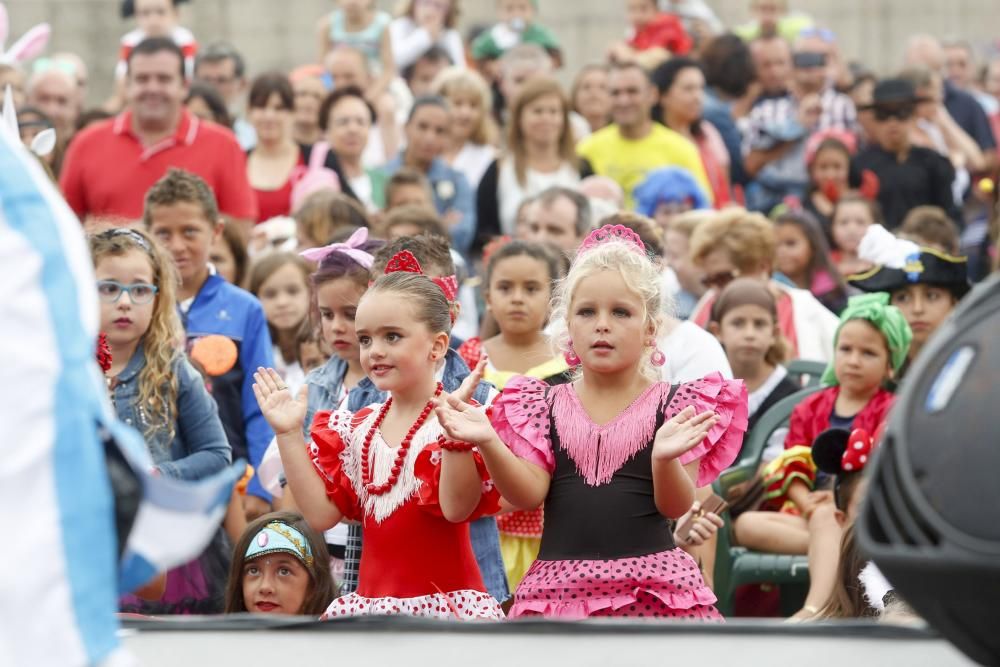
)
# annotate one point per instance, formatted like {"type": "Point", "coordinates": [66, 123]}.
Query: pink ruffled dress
{"type": "Point", "coordinates": [606, 550]}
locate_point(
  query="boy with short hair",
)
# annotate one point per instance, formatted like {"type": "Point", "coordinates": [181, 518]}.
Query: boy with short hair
{"type": "Point", "coordinates": [225, 326]}
{"type": "Point", "coordinates": [517, 25]}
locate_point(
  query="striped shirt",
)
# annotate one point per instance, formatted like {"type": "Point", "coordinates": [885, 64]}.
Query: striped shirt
{"type": "Point", "coordinates": [773, 120]}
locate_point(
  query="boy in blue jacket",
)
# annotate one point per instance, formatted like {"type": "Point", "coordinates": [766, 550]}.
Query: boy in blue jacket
{"type": "Point", "coordinates": [225, 326]}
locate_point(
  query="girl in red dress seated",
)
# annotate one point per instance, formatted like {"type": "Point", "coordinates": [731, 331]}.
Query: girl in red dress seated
{"type": "Point", "coordinates": [389, 466]}
{"type": "Point", "coordinates": [612, 455]}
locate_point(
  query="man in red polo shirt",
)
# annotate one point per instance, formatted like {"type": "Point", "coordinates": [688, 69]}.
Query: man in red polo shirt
{"type": "Point", "coordinates": [110, 165]}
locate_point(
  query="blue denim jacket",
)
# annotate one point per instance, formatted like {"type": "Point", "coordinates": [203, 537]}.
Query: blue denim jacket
{"type": "Point", "coordinates": [199, 447]}
{"type": "Point", "coordinates": [324, 385]}
{"type": "Point", "coordinates": [483, 532]}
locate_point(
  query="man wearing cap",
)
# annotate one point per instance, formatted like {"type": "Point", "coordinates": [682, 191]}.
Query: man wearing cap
{"type": "Point", "coordinates": [909, 176]}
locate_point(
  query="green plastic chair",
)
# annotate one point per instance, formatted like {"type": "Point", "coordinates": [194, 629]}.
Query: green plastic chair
{"type": "Point", "coordinates": [806, 373]}
{"type": "Point", "coordinates": [735, 565]}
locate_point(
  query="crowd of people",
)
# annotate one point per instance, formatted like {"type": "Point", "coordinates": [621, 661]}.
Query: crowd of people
{"type": "Point", "coordinates": [485, 342]}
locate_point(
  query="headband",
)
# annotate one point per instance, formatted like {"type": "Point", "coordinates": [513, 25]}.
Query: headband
{"type": "Point", "coordinates": [278, 537]}
{"type": "Point", "coordinates": [613, 233]}
{"type": "Point", "coordinates": [875, 309]}
{"type": "Point", "coordinates": [404, 261]}
{"type": "Point", "coordinates": [130, 233]}
{"type": "Point", "coordinates": [351, 248]}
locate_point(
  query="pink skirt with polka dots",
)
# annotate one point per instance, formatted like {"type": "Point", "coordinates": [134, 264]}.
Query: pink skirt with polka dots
{"type": "Point", "coordinates": [454, 605]}
{"type": "Point", "coordinates": [667, 584]}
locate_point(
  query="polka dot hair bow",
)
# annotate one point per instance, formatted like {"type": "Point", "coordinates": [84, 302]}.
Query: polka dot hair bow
{"type": "Point", "coordinates": [858, 451]}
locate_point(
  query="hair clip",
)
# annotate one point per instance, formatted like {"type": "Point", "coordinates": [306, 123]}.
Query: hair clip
{"type": "Point", "coordinates": [131, 233]}
{"type": "Point", "coordinates": [351, 248]}
{"type": "Point", "coordinates": [403, 261]}
{"type": "Point", "coordinates": [613, 233]}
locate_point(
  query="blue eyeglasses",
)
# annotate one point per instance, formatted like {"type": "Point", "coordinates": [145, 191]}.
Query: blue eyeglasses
{"type": "Point", "coordinates": [109, 291]}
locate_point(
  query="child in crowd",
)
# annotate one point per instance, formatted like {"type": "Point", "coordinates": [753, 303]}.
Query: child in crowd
{"type": "Point", "coordinates": [745, 320]}
{"type": "Point", "coordinates": [519, 279]}
{"type": "Point", "coordinates": [323, 214]}
{"type": "Point", "coordinates": [312, 352]}
{"type": "Point", "coordinates": [802, 256]}
{"type": "Point", "coordinates": [229, 254]}
{"type": "Point", "coordinates": [853, 214]}
{"type": "Point", "coordinates": [871, 345]}
{"type": "Point", "coordinates": [361, 26]}
{"type": "Point", "coordinates": [930, 227]}
{"type": "Point", "coordinates": [828, 159]}
{"type": "Point", "coordinates": [607, 453]}
{"type": "Point", "coordinates": [155, 389]}
{"type": "Point", "coordinates": [280, 280]}
{"type": "Point", "coordinates": [227, 323]}
{"type": "Point", "coordinates": [155, 18]}
{"type": "Point", "coordinates": [422, 25]}
{"type": "Point", "coordinates": [653, 36]}
{"type": "Point", "coordinates": [390, 465]}
{"type": "Point", "coordinates": [412, 220]}
{"type": "Point", "coordinates": [666, 193]}
{"type": "Point", "coordinates": [280, 566]}
{"type": "Point", "coordinates": [408, 187]}
{"type": "Point", "coordinates": [516, 24]}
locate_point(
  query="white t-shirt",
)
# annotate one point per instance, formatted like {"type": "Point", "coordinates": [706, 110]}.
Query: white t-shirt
{"type": "Point", "coordinates": [692, 353]}
{"type": "Point", "coordinates": [473, 161]}
{"type": "Point", "coordinates": [510, 193]}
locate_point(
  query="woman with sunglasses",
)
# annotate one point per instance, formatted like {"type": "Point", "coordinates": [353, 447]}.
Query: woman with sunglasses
{"type": "Point", "coordinates": [909, 175]}
{"type": "Point", "coordinates": [736, 243]}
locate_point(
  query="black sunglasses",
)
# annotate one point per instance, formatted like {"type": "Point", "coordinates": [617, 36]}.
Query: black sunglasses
{"type": "Point", "coordinates": [899, 113]}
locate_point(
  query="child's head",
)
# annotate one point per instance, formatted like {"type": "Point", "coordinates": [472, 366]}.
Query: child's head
{"type": "Point", "coordinates": [281, 281]}
{"type": "Point", "coordinates": [930, 227]}
{"type": "Point", "coordinates": [323, 214]}
{"type": "Point", "coordinates": [802, 252]}
{"type": "Point", "coordinates": [828, 157]}
{"type": "Point", "coordinates": [413, 221]}
{"type": "Point", "coordinates": [181, 212]}
{"type": "Point", "coordinates": [310, 351]}
{"type": "Point", "coordinates": [280, 566]}
{"type": "Point", "coordinates": [853, 214]}
{"type": "Point", "coordinates": [432, 252]}
{"type": "Point", "coordinates": [408, 187]}
{"type": "Point", "coordinates": [640, 13]}
{"type": "Point", "coordinates": [403, 327]}
{"type": "Point", "coordinates": [229, 254]}
{"type": "Point", "coordinates": [768, 13]}
{"type": "Point", "coordinates": [356, 8]}
{"type": "Point", "coordinates": [607, 308]}
{"type": "Point", "coordinates": [745, 320]}
{"type": "Point", "coordinates": [446, 11]}
{"type": "Point", "coordinates": [470, 100]}
{"type": "Point", "coordinates": [341, 277]}
{"type": "Point", "coordinates": [666, 193]}
{"type": "Point", "coordinates": [156, 18]}
{"type": "Point", "coordinates": [136, 284]}
{"type": "Point", "coordinates": [519, 280]}
{"type": "Point", "coordinates": [870, 345]}
{"type": "Point", "coordinates": [516, 13]}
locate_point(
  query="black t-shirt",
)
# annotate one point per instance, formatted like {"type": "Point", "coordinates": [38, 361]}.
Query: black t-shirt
{"type": "Point", "coordinates": [924, 178]}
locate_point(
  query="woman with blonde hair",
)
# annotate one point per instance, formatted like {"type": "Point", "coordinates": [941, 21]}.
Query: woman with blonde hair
{"type": "Point", "coordinates": [540, 154]}
{"type": "Point", "coordinates": [473, 133]}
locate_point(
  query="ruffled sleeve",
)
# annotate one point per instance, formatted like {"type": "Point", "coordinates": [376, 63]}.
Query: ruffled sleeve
{"type": "Point", "coordinates": [331, 433]}
{"type": "Point", "coordinates": [728, 400]}
{"type": "Point", "coordinates": [427, 469]}
{"type": "Point", "coordinates": [520, 416]}
{"type": "Point", "coordinates": [794, 464]}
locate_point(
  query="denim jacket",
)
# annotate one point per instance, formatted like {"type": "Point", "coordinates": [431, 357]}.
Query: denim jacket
{"type": "Point", "coordinates": [199, 447]}
{"type": "Point", "coordinates": [324, 385]}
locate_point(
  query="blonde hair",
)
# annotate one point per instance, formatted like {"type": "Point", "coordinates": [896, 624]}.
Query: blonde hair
{"type": "Point", "coordinates": [747, 237]}
{"type": "Point", "coordinates": [529, 93]}
{"type": "Point", "coordinates": [457, 82]}
{"type": "Point", "coordinates": [160, 343]}
{"type": "Point", "coordinates": [640, 275]}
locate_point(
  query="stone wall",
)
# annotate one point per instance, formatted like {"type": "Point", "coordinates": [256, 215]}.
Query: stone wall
{"type": "Point", "coordinates": [280, 33]}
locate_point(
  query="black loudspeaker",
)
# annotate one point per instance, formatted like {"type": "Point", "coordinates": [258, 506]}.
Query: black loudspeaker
{"type": "Point", "coordinates": [931, 519]}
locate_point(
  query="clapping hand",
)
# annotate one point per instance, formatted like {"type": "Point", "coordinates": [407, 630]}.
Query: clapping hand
{"type": "Point", "coordinates": [463, 422]}
{"type": "Point", "coordinates": [681, 433]}
{"type": "Point", "coordinates": [285, 413]}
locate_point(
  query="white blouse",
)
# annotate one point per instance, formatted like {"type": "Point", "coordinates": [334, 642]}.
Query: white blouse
{"type": "Point", "coordinates": [510, 193]}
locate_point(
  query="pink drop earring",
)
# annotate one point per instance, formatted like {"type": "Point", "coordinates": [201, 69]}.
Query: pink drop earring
{"type": "Point", "coordinates": [571, 357]}
{"type": "Point", "coordinates": [657, 358]}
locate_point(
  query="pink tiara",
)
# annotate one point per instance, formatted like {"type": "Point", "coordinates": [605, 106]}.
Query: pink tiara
{"type": "Point", "coordinates": [613, 233]}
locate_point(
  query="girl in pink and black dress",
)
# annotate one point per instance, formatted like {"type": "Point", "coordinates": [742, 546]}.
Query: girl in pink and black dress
{"type": "Point", "coordinates": [612, 455]}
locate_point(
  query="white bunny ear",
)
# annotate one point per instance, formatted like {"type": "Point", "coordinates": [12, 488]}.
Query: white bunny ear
{"type": "Point", "coordinates": [4, 27]}
{"type": "Point", "coordinates": [879, 246]}
{"type": "Point", "coordinates": [9, 115]}
{"type": "Point", "coordinates": [44, 142]}
{"type": "Point", "coordinates": [31, 44]}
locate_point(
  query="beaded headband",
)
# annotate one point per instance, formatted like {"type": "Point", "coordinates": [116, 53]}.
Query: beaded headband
{"type": "Point", "coordinates": [404, 261]}
{"type": "Point", "coordinates": [613, 233]}
{"type": "Point", "coordinates": [278, 537]}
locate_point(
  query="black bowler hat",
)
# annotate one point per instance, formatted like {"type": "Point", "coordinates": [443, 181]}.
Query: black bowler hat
{"type": "Point", "coordinates": [894, 93]}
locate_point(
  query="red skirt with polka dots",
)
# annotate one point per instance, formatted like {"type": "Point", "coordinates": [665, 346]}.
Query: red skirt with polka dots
{"type": "Point", "coordinates": [667, 584]}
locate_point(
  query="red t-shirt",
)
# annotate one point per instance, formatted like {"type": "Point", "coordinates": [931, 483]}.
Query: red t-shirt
{"type": "Point", "coordinates": [665, 31]}
{"type": "Point", "coordinates": [108, 171]}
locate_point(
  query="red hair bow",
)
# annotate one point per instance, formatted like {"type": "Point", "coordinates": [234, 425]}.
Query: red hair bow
{"type": "Point", "coordinates": [405, 261]}
{"type": "Point", "coordinates": [859, 449]}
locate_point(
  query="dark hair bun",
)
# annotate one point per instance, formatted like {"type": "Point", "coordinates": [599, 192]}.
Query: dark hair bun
{"type": "Point", "coordinates": [828, 450]}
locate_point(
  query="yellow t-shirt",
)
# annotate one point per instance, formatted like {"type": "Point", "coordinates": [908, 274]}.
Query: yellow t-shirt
{"type": "Point", "coordinates": [627, 162]}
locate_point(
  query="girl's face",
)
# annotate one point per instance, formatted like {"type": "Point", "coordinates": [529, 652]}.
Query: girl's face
{"type": "Point", "coordinates": [426, 133]}
{"type": "Point", "coordinates": [348, 126]}
{"type": "Point", "coordinates": [466, 114]}
{"type": "Point", "coordinates": [285, 298]}
{"type": "Point", "coordinates": [125, 321]}
{"type": "Point", "coordinates": [861, 360]}
{"type": "Point", "coordinates": [925, 307]}
{"type": "Point", "coordinates": [338, 305]}
{"type": "Point", "coordinates": [793, 252]}
{"type": "Point", "coordinates": [518, 295]}
{"type": "Point", "coordinates": [850, 223]}
{"type": "Point", "coordinates": [592, 96]}
{"type": "Point", "coordinates": [542, 120]}
{"type": "Point", "coordinates": [275, 584]}
{"type": "Point", "coordinates": [398, 351]}
{"type": "Point", "coordinates": [608, 324]}
{"type": "Point", "coordinates": [685, 97]}
{"type": "Point", "coordinates": [156, 18]}
{"type": "Point", "coordinates": [272, 121]}
{"type": "Point", "coordinates": [221, 256]}
{"type": "Point", "coordinates": [831, 166]}
{"type": "Point", "coordinates": [747, 332]}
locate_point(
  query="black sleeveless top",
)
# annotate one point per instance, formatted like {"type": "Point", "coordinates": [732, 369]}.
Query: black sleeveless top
{"type": "Point", "coordinates": [614, 520]}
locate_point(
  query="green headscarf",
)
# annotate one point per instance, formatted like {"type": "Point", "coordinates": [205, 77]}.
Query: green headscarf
{"type": "Point", "coordinates": [875, 309]}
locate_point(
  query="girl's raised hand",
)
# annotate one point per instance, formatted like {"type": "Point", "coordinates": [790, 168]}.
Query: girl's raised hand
{"type": "Point", "coordinates": [284, 412]}
{"type": "Point", "coordinates": [681, 433]}
{"type": "Point", "coordinates": [462, 422]}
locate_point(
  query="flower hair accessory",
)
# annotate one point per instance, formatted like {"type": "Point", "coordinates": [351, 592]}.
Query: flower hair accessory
{"type": "Point", "coordinates": [278, 537]}
{"type": "Point", "coordinates": [613, 233]}
{"type": "Point", "coordinates": [351, 248]}
{"type": "Point", "coordinates": [405, 261]}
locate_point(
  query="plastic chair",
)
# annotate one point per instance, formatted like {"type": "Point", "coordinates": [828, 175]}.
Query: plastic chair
{"type": "Point", "coordinates": [735, 565]}
{"type": "Point", "coordinates": [806, 373]}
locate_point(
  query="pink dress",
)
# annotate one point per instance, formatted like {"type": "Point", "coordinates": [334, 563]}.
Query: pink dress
{"type": "Point", "coordinates": [606, 550]}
